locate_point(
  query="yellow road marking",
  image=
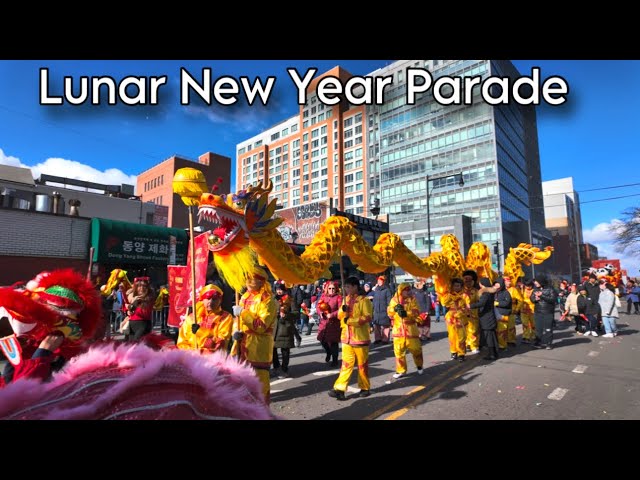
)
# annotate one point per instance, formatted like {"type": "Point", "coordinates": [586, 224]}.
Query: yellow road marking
{"type": "Point", "coordinates": [443, 378]}
{"type": "Point", "coordinates": [417, 389]}
{"type": "Point", "coordinates": [397, 414]}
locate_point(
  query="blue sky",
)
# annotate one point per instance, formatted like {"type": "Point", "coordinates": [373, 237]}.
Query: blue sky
{"type": "Point", "coordinates": [592, 137]}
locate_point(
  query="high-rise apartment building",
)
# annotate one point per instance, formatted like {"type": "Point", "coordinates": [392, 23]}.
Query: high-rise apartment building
{"type": "Point", "coordinates": [410, 157]}
{"type": "Point", "coordinates": [563, 220]}
{"type": "Point", "coordinates": [156, 184]}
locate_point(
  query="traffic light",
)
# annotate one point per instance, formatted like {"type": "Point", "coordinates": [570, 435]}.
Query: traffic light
{"type": "Point", "coordinates": [496, 249]}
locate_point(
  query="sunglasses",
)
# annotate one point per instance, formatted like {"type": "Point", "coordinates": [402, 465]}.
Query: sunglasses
{"type": "Point", "coordinates": [331, 288]}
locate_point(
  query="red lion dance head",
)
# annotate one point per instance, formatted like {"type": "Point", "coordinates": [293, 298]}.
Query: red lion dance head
{"type": "Point", "coordinates": [61, 301]}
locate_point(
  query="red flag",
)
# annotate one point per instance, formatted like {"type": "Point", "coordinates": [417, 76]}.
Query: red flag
{"type": "Point", "coordinates": [178, 275]}
{"type": "Point", "coordinates": [202, 259]}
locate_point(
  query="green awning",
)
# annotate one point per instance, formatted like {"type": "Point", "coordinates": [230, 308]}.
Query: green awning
{"type": "Point", "coordinates": [133, 243]}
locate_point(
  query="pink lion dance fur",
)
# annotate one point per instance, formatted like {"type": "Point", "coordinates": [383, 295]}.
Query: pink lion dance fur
{"type": "Point", "coordinates": [134, 382]}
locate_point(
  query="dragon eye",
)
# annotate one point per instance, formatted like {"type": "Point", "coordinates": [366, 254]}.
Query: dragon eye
{"type": "Point", "coordinates": [239, 204]}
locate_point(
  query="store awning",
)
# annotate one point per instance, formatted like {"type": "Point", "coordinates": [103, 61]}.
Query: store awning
{"type": "Point", "coordinates": [132, 243]}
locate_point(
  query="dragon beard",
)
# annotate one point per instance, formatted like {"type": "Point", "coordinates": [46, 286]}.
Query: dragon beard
{"type": "Point", "coordinates": [237, 267]}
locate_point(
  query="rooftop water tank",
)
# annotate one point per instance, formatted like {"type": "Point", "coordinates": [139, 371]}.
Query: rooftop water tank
{"type": "Point", "coordinates": [43, 203]}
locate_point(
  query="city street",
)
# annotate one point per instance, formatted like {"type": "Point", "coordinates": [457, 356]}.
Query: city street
{"type": "Point", "coordinates": [582, 378]}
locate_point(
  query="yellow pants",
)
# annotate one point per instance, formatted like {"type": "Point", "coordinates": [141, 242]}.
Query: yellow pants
{"type": "Point", "coordinates": [400, 347]}
{"type": "Point", "coordinates": [457, 339]}
{"type": "Point", "coordinates": [350, 355]}
{"type": "Point", "coordinates": [263, 376]}
{"type": "Point", "coordinates": [511, 329]}
{"type": "Point", "coordinates": [473, 334]}
{"type": "Point", "coordinates": [502, 330]}
{"type": "Point", "coordinates": [528, 326]}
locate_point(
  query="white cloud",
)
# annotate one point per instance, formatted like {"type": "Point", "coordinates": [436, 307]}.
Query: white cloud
{"type": "Point", "coordinates": [71, 169]}
{"type": "Point", "coordinates": [603, 239]}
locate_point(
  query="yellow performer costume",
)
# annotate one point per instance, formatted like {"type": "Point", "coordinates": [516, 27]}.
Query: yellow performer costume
{"type": "Point", "coordinates": [404, 312]}
{"type": "Point", "coordinates": [472, 333]}
{"type": "Point", "coordinates": [516, 307]}
{"type": "Point", "coordinates": [526, 316]}
{"type": "Point", "coordinates": [355, 338]}
{"type": "Point", "coordinates": [214, 324]}
{"type": "Point", "coordinates": [455, 302]}
{"type": "Point", "coordinates": [256, 322]}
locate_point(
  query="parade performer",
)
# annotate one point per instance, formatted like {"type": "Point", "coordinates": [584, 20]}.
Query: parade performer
{"type": "Point", "coordinates": [328, 307]}
{"type": "Point", "coordinates": [52, 320]}
{"type": "Point", "coordinates": [502, 303]}
{"type": "Point", "coordinates": [405, 315]}
{"type": "Point", "coordinates": [130, 381]}
{"type": "Point", "coordinates": [487, 319]}
{"type": "Point", "coordinates": [212, 330]}
{"type": "Point", "coordinates": [355, 316]}
{"type": "Point", "coordinates": [516, 307]}
{"type": "Point", "coordinates": [526, 314]}
{"type": "Point", "coordinates": [470, 292]}
{"type": "Point", "coordinates": [455, 318]}
{"type": "Point", "coordinates": [256, 312]}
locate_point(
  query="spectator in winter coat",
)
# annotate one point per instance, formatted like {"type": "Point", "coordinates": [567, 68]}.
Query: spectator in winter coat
{"type": "Point", "coordinates": [381, 321]}
{"type": "Point", "coordinates": [301, 304]}
{"type": "Point", "coordinates": [593, 309]}
{"type": "Point", "coordinates": [633, 297]}
{"type": "Point", "coordinates": [609, 304]}
{"type": "Point", "coordinates": [284, 334]}
{"type": "Point", "coordinates": [571, 308]}
{"type": "Point", "coordinates": [328, 307]}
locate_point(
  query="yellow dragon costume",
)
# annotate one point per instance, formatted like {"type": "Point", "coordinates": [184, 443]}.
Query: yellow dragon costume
{"type": "Point", "coordinates": [245, 233]}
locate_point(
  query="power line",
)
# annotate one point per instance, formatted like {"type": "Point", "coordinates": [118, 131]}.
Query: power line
{"type": "Point", "coordinates": [79, 133]}
{"type": "Point", "coordinates": [587, 190]}
{"type": "Point", "coordinates": [589, 201]}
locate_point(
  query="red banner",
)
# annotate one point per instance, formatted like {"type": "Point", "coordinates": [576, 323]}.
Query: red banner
{"type": "Point", "coordinates": [178, 275]}
{"type": "Point", "coordinates": [202, 259]}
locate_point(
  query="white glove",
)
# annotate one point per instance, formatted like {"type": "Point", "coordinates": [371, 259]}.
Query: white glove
{"type": "Point", "coordinates": [237, 309]}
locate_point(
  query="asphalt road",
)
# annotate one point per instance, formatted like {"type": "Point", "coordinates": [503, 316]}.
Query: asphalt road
{"type": "Point", "coordinates": [582, 378]}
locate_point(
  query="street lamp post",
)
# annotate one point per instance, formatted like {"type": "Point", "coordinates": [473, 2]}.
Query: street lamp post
{"type": "Point", "coordinates": [430, 179]}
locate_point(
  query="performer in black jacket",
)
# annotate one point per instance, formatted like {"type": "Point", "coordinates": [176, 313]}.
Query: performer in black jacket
{"type": "Point", "coordinates": [544, 297]}
{"type": "Point", "coordinates": [487, 319]}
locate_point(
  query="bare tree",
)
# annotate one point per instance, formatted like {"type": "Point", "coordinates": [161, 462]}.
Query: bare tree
{"type": "Point", "coordinates": [627, 232]}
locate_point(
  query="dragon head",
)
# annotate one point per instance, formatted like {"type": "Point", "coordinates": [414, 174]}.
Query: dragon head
{"type": "Point", "coordinates": [60, 301]}
{"type": "Point", "coordinates": [237, 217]}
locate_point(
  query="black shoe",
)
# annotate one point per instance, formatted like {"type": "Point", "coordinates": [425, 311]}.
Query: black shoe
{"type": "Point", "coordinates": [364, 393]}
{"type": "Point", "coordinates": [460, 358]}
{"type": "Point", "coordinates": [512, 344]}
{"type": "Point", "coordinates": [337, 394]}
{"type": "Point", "coordinates": [327, 359]}
{"type": "Point", "coordinates": [335, 364]}
{"type": "Point", "coordinates": [454, 356]}
{"type": "Point", "coordinates": [490, 357]}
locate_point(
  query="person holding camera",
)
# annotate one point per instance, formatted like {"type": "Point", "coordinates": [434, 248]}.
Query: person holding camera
{"type": "Point", "coordinates": [139, 309]}
{"type": "Point", "coordinates": [355, 316]}
{"type": "Point", "coordinates": [405, 315]}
